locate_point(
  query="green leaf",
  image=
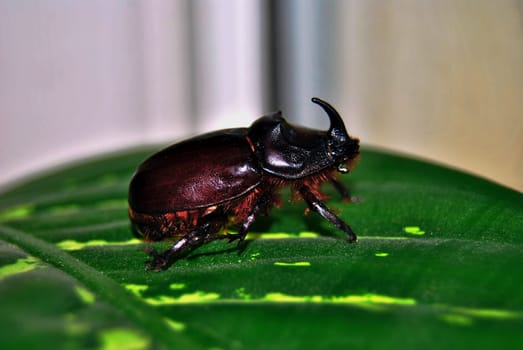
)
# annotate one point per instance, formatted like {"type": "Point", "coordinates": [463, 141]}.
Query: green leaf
{"type": "Point", "coordinates": [438, 265]}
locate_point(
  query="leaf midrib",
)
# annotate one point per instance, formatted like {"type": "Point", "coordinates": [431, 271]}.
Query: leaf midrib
{"type": "Point", "coordinates": [143, 315]}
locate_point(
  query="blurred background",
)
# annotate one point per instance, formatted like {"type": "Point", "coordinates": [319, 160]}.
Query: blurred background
{"type": "Point", "coordinates": [442, 80]}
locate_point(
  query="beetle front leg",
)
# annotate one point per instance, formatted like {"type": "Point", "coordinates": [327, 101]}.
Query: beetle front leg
{"type": "Point", "coordinates": [318, 206]}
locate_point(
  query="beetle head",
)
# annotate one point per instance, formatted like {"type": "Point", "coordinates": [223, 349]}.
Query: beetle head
{"type": "Point", "coordinates": [294, 152]}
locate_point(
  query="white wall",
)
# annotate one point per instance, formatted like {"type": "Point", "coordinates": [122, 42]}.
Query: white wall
{"type": "Point", "coordinates": [84, 77]}
{"type": "Point", "coordinates": [439, 79]}
{"type": "Point", "coordinates": [71, 74]}
{"type": "Point", "coordinates": [229, 64]}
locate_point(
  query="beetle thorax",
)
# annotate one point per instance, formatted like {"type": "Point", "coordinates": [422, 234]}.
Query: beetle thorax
{"type": "Point", "coordinates": [294, 152]}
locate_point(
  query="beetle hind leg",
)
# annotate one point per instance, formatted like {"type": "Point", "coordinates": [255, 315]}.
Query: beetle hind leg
{"type": "Point", "coordinates": [204, 233]}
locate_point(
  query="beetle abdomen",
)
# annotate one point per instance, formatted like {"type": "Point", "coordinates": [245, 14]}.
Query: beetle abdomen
{"type": "Point", "coordinates": [157, 227]}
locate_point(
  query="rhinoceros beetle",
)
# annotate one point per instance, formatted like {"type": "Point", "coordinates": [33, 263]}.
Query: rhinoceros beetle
{"type": "Point", "coordinates": [192, 189]}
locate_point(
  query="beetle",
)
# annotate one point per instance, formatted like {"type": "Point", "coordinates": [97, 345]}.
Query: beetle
{"type": "Point", "coordinates": [189, 191]}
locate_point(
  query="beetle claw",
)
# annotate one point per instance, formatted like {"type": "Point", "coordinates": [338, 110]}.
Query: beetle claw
{"type": "Point", "coordinates": [158, 261]}
{"type": "Point", "coordinates": [235, 236]}
{"type": "Point", "coordinates": [355, 200]}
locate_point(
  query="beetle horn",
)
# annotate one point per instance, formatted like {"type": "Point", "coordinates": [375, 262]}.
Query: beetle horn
{"type": "Point", "coordinates": [337, 129]}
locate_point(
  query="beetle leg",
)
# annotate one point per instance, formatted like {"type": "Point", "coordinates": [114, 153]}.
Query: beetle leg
{"type": "Point", "coordinates": [258, 208]}
{"type": "Point", "coordinates": [319, 207]}
{"type": "Point", "coordinates": [246, 225]}
{"type": "Point", "coordinates": [345, 194]}
{"type": "Point", "coordinates": [204, 233]}
{"type": "Point", "coordinates": [344, 191]}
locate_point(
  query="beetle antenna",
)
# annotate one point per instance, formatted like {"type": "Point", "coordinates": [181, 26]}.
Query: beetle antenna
{"type": "Point", "coordinates": [337, 128]}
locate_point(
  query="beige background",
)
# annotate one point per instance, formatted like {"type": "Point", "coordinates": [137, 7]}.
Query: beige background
{"type": "Point", "coordinates": [439, 79]}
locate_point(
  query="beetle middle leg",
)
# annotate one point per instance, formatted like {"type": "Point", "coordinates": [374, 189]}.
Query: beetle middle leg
{"type": "Point", "coordinates": [318, 206]}
{"type": "Point", "coordinates": [245, 226]}
{"type": "Point", "coordinates": [261, 205]}
{"type": "Point", "coordinates": [344, 191]}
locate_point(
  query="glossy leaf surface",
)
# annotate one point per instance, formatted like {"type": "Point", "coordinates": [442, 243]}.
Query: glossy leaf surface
{"type": "Point", "coordinates": [438, 265]}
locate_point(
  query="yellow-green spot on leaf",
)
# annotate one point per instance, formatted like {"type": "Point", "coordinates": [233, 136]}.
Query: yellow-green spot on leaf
{"type": "Point", "coordinates": [177, 286]}
{"type": "Point", "coordinates": [370, 298]}
{"type": "Point", "coordinates": [373, 302]}
{"type": "Point", "coordinates": [16, 212]}
{"type": "Point", "coordinates": [298, 263]}
{"type": "Point", "coordinates": [64, 209]}
{"type": "Point", "coordinates": [275, 235]}
{"type": "Point", "coordinates": [73, 326]}
{"type": "Point", "coordinates": [197, 297]}
{"type": "Point", "coordinates": [242, 294]}
{"type": "Point", "coordinates": [254, 256]}
{"type": "Point", "coordinates": [175, 325]}
{"type": "Point", "coordinates": [20, 266]}
{"type": "Point", "coordinates": [71, 244]}
{"type": "Point", "coordinates": [414, 230]}
{"type": "Point", "coordinates": [84, 294]}
{"type": "Point", "coordinates": [285, 298]}
{"type": "Point", "coordinates": [281, 235]}
{"type": "Point", "coordinates": [456, 319]}
{"type": "Point", "coordinates": [306, 234]}
{"type": "Point", "coordinates": [381, 254]}
{"type": "Point", "coordinates": [122, 339]}
{"type": "Point", "coordinates": [488, 313]}
{"type": "Point", "coordinates": [136, 289]}
{"type": "Point", "coordinates": [358, 300]}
